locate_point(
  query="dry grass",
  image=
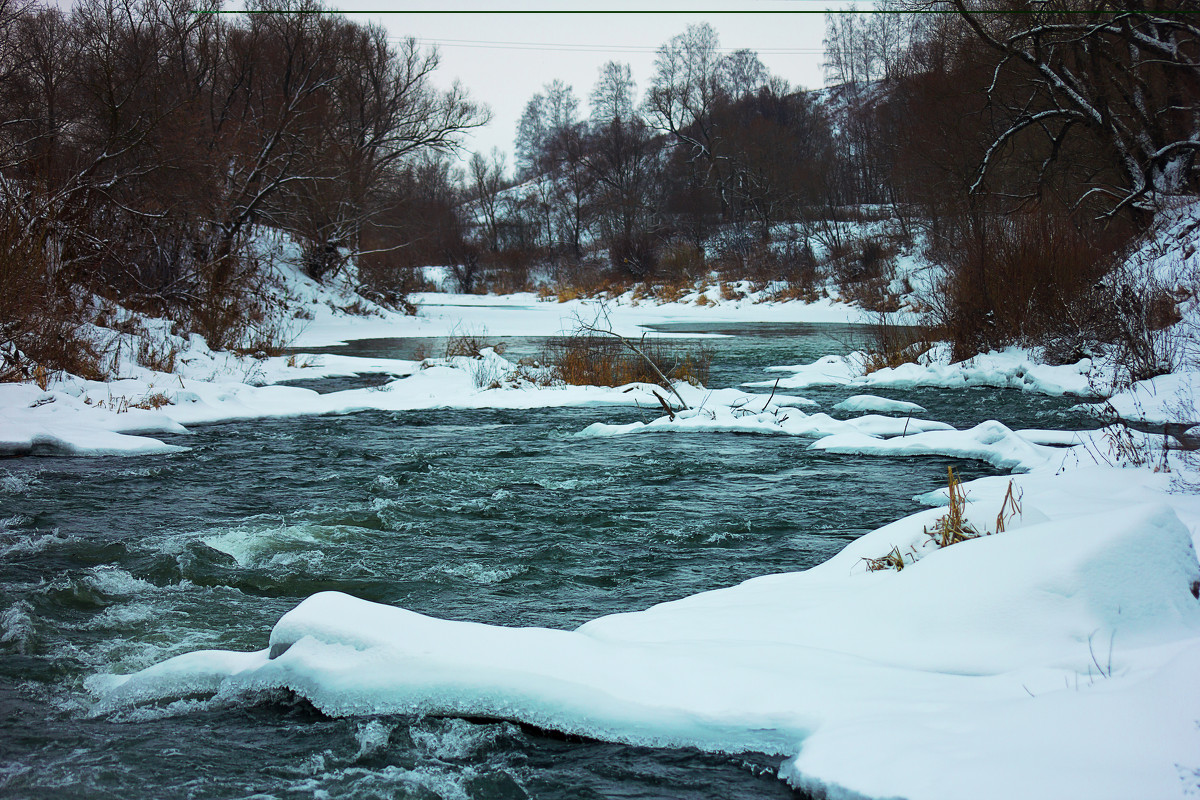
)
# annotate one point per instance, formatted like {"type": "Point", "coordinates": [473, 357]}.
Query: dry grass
{"type": "Point", "coordinates": [591, 360]}
{"type": "Point", "coordinates": [152, 400]}
{"type": "Point", "coordinates": [893, 560]}
{"type": "Point", "coordinates": [121, 404]}
{"type": "Point", "coordinates": [41, 376]}
{"type": "Point", "coordinates": [469, 343]}
{"type": "Point", "coordinates": [893, 345]}
{"type": "Point", "coordinates": [160, 356]}
{"type": "Point", "coordinates": [730, 292]}
{"type": "Point", "coordinates": [672, 292]}
{"type": "Point", "coordinates": [953, 526]}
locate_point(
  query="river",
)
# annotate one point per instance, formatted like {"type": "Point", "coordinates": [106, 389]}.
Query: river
{"type": "Point", "coordinates": [112, 564]}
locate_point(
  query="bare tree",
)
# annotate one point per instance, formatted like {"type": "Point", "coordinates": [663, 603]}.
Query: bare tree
{"type": "Point", "coordinates": [1127, 74]}
{"type": "Point", "coordinates": [381, 109]}
{"type": "Point", "coordinates": [612, 97]}
{"type": "Point", "coordinates": [486, 175]}
{"type": "Point", "coordinates": [553, 109]}
{"type": "Point", "coordinates": [687, 88]}
{"type": "Point", "coordinates": [744, 73]}
{"type": "Point", "coordinates": [625, 160]}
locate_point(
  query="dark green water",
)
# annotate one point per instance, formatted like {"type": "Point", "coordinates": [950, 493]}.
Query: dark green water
{"type": "Point", "coordinates": [110, 565]}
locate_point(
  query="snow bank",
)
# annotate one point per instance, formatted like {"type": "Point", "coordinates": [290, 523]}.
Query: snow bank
{"type": "Point", "coordinates": [80, 417]}
{"type": "Point", "coordinates": [1013, 368]}
{"type": "Point", "coordinates": [884, 405]}
{"type": "Point", "coordinates": [57, 423]}
{"type": "Point", "coordinates": [756, 416]}
{"type": "Point", "coordinates": [989, 441]}
{"type": "Point", "coordinates": [999, 645]}
{"type": "Point", "coordinates": [525, 314]}
{"type": "Point", "coordinates": [1161, 400]}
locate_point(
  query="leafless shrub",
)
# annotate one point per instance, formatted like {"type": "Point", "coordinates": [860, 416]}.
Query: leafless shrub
{"type": "Point", "coordinates": [159, 355]}
{"type": "Point", "coordinates": [1033, 278]}
{"type": "Point", "coordinates": [1143, 318]}
{"type": "Point", "coordinates": [470, 343]}
{"type": "Point", "coordinates": [42, 321]}
{"type": "Point", "coordinates": [635, 255]}
{"type": "Point", "coordinates": [587, 359]}
{"type": "Point", "coordinates": [486, 374]}
{"type": "Point", "coordinates": [863, 270]}
{"type": "Point", "coordinates": [680, 263]}
{"type": "Point", "coordinates": [893, 345]}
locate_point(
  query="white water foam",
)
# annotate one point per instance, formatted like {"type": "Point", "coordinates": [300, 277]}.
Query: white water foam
{"type": "Point", "coordinates": [16, 628]}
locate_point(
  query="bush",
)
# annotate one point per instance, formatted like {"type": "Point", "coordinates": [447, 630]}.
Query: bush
{"type": "Point", "coordinates": [863, 270]}
{"type": "Point", "coordinates": [635, 256]}
{"type": "Point", "coordinates": [42, 323]}
{"type": "Point", "coordinates": [680, 263]}
{"type": "Point", "coordinates": [594, 360]}
{"type": "Point", "coordinates": [893, 345]}
{"type": "Point", "coordinates": [1031, 278]}
{"type": "Point", "coordinates": [506, 272]}
{"type": "Point", "coordinates": [469, 343]}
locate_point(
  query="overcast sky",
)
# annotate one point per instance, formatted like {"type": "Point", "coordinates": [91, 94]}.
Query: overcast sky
{"type": "Point", "coordinates": [503, 58]}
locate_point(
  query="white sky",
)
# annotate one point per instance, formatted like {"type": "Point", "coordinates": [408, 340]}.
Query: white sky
{"type": "Point", "coordinates": [503, 58]}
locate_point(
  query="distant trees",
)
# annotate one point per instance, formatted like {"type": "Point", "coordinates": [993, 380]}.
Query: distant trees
{"type": "Point", "coordinates": [717, 140]}
{"type": "Point", "coordinates": [547, 114]}
{"type": "Point", "coordinates": [614, 95]}
{"type": "Point", "coordinates": [1029, 140]}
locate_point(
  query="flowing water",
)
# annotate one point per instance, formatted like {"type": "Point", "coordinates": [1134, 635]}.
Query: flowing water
{"type": "Point", "coordinates": [112, 564]}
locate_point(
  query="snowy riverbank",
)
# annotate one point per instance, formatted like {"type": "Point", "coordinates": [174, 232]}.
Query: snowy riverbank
{"type": "Point", "coordinates": [1054, 659]}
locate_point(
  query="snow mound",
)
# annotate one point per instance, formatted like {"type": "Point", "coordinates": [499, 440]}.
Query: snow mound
{"type": "Point", "coordinates": [1012, 368]}
{"type": "Point", "coordinates": [989, 441]}
{"type": "Point", "coordinates": [57, 423]}
{"type": "Point", "coordinates": [869, 402]}
{"type": "Point", "coordinates": [774, 420]}
{"type": "Point", "coordinates": [1084, 626]}
{"type": "Point", "coordinates": [1161, 400]}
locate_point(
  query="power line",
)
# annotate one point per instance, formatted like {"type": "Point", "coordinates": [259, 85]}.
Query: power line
{"type": "Point", "coordinates": [591, 48]}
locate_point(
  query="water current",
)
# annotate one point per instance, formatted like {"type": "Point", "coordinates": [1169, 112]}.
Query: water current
{"type": "Point", "coordinates": [108, 565]}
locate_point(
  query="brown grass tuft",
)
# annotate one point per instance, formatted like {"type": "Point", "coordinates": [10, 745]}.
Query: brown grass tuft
{"type": "Point", "coordinates": [586, 360]}
{"type": "Point", "coordinates": [469, 343]}
{"type": "Point", "coordinates": [953, 527]}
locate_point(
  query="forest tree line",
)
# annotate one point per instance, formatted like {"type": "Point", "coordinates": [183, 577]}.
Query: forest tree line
{"type": "Point", "coordinates": [142, 143]}
{"type": "Point", "coordinates": [1026, 144]}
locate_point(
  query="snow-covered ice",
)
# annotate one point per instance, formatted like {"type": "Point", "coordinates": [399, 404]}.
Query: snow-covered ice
{"type": "Point", "coordinates": [988, 441]}
{"type": "Point", "coordinates": [870, 402]}
{"type": "Point", "coordinates": [1012, 368]}
{"type": "Point", "coordinates": [757, 416]}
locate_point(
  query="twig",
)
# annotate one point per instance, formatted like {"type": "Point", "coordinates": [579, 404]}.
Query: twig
{"type": "Point", "coordinates": [772, 397]}
{"type": "Point", "coordinates": [662, 402]}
